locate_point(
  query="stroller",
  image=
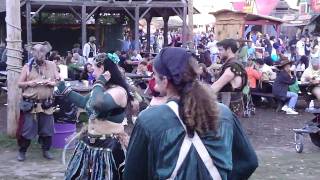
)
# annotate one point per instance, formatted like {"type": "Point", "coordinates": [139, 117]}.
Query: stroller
{"type": "Point", "coordinates": [312, 128]}
{"type": "Point", "coordinates": [247, 103]}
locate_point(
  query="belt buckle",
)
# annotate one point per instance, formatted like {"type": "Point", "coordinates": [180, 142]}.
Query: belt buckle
{"type": "Point", "coordinates": [92, 140]}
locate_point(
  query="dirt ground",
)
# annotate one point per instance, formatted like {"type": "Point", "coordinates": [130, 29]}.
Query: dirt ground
{"type": "Point", "coordinates": [270, 133]}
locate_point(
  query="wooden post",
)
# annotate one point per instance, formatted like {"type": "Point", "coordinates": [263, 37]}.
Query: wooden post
{"type": "Point", "coordinates": [184, 26]}
{"type": "Point", "coordinates": [190, 24]}
{"type": "Point", "coordinates": [14, 57]}
{"type": "Point", "coordinates": [97, 28]}
{"type": "Point", "coordinates": [165, 30]}
{"type": "Point", "coordinates": [148, 19]}
{"type": "Point", "coordinates": [28, 22]}
{"type": "Point", "coordinates": [83, 25]}
{"type": "Point", "coordinates": [136, 28]}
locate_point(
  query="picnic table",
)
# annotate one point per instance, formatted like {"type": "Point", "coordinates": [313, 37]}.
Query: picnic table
{"type": "Point", "coordinates": [79, 86]}
{"type": "Point", "coordinates": [136, 76]}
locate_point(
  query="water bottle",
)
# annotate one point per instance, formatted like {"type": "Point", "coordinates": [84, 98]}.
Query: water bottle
{"type": "Point", "coordinates": [311, 105]}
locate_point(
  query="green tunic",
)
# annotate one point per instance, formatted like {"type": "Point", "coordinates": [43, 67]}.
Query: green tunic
{"type": "Point", "coordinates": [157, 137]}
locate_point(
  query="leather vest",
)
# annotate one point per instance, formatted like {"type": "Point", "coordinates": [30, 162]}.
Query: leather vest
{"type": "Point", "coordinates": [40, 73]}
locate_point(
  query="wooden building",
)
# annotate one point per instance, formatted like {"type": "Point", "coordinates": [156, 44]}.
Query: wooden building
{"type": "Point", "coordinates": [83, 10]}
{"type": "Point", "coordinates": [232, 24]}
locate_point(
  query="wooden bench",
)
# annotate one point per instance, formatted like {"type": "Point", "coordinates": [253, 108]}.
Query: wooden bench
{"type": "Point", "coordinates": [261, 94]}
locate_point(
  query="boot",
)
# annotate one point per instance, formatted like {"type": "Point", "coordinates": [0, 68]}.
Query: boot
{"type": "Point", "coordinates": [23, 144]}
{"type": "Point", "coordinates": [21, 156]}
{"type": "Point", "coordinates": [47, 155]}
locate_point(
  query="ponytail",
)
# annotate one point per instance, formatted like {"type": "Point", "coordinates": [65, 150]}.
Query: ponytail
{"type": "Point", "coordinates": [198, 106]}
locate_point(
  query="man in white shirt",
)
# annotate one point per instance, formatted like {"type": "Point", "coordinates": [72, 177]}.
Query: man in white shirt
{"type": "Point", "coordinates": [212, 46]}
{"type": "Point", "coordinates": [90, 50]}
{"type": "Point", "coordinates": [136, 56]}
{"type": "Point", "coordinates": [312, 75]}
{"type": "Point", "coordinates": [301, 47]}
{"type": "Point", "coordinates": [267, 72]}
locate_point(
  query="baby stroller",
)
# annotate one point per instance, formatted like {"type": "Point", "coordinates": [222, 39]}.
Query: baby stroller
{"type": "Point", "coordinates": [247, 103]}
{"type": "Point", "coordinates": [312, 128]}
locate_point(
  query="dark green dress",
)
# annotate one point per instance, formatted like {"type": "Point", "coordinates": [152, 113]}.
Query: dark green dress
{"type": "Point", "coordinates": [157, 137]}
{"type": "Point", "coordinates": [102, 158]}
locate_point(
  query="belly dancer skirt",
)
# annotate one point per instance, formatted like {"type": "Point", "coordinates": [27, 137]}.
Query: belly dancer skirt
{"type": "Point", "coordinates": [96, 159]}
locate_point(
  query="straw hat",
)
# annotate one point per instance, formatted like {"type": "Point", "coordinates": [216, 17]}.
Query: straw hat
{"type": "Point", "coordinates": [283, 61]}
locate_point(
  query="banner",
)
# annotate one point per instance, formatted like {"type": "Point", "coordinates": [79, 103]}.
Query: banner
{"type": "Point", "coordinates": [315, 6]}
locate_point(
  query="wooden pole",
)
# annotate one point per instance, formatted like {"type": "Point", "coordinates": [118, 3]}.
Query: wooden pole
{"type": "Point", "coordinates": [136, 28]}
{"type": "Point", "coordinates": [28, 22]}
{"type": "Point", "coordinates": [14, 58]}
{"type": "Point", "coordinates": [148, 19]}
{"type": "Point", "coordinates": [184, 26]}
{"type": "Point", "coordinates": [165, 30]}
{"type": "Point", "coordinates": [83, 25]}
{"type": "Point", "coordinates": [190, 24]}
{"type": "Point", "coordinates": [97, 29]}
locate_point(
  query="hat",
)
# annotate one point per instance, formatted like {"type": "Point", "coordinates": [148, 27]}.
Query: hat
{"type": "Point", "coordinates": [92, 38]}
{"type": "Point", "coordinates": [283, 61]}
{"type": "Point", "coordinates": [171, 62]}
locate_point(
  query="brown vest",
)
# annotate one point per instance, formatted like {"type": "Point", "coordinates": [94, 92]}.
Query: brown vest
{"type": "Point", "coordinates": [45, 72]}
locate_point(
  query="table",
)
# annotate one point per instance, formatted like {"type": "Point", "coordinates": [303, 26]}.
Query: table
{"type": "Point", "coordinates": [79, 86]}
{"type": "Point", "coordinates": [136, 76]}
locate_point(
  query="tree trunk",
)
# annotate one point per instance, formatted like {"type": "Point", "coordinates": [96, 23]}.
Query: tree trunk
{"type": "Point", "coordinates": [14, 59]}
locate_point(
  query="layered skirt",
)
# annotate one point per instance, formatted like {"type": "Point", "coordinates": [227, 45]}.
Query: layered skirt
{"type": "Point", "coordinates": [96, 159]}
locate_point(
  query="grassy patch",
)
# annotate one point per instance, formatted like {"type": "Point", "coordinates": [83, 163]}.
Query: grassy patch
{"type": "Point", "coordinates": [7, 142]}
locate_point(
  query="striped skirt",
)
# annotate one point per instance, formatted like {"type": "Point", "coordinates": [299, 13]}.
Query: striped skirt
{"type": "Point", "coordinates": [96, 159]}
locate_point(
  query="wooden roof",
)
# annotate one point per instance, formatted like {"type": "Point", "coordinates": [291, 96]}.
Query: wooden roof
{"type": "Point", "coordinates": [158, 7]}
{"type": "Point", "coordinates": [249, 16]}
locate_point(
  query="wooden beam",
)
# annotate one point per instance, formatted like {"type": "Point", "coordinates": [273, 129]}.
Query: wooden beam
{"type": "Point", "coordinates": [36, 13]}
{"type": "Point", "coordinates": [136, 28]}
{"type": "Point", "coordinates": [190, 24]}
{"type": "Point", "coordinates": [83, 25]}
{"type": "Point", "coordinates": [93, 11]}
{"type": "Point", "coordinates": [165, 30]}
{"type": "Point", "coordinates": [129, 13]}
{"type": "Point", "coordinates": [14, 59]}
{"type": "Point", "coordinates": [28, 22]}
{"type": "Point", "coordinates": [145, 13]}
{"type": "Point", "coordinates": [178, 13]}
{"type": "Point", "coordinates": [148, 19]}
{"type": "Point", "coordinates": [115, 4]}
{"type": "Point", "coordinates": [75, 13]}
{"type": "Point", "coordinates": [184, 26]}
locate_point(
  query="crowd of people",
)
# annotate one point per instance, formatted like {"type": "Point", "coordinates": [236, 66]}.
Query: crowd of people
{"type": "Point", "coordinates": [183, 113]}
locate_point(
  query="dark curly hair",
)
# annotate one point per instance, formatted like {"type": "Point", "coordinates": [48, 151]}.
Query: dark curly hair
{"type": "Point", "coordinates": [116, 77]}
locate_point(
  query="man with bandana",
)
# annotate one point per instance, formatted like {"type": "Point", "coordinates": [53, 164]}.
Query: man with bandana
{"type": "Point", "coordinates": [37, 81]}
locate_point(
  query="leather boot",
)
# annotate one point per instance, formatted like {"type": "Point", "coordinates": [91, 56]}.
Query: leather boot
{"type": "Point", "coordinates": [47, 155]}
{"type": "Point", "coordinates": [21, 156]}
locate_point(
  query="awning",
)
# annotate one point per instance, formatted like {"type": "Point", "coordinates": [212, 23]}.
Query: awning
{"type": "Point", "coordinates": [301, 20]}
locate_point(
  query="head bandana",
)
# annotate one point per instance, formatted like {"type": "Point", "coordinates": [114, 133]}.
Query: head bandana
{"type": "Point", "coordinates": [114, 58]}
{"type": "Point", "coordinates": [171, 62]}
